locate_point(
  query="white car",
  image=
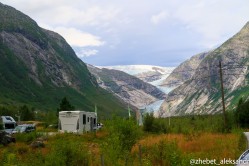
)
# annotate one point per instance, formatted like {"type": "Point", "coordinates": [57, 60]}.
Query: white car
{"type": "Point", "coordinates": [24, 128]}
{"type": "Point", "coordinates": [243, 159]}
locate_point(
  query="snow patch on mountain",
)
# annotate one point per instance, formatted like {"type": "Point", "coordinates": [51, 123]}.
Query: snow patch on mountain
{"type": "Point", "coordinates": [154, 75]}
{"type": "Point", "coordinates": [138, 69]}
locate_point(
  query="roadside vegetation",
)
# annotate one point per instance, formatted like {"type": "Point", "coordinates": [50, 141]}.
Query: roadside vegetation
{"type": "Point", "coordinates": [121, 142]}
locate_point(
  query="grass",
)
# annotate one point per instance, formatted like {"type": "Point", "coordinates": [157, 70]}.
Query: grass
{"type": "Point", "coordinates": [189, 137]}
{"type": "Point", "coordinates": [201, 145]}
{"type": "Point", "coordinates": [183, 147]}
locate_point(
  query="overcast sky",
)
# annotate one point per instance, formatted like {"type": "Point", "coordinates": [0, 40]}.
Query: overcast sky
{"type": "Point", "coordinates": [154, 32]}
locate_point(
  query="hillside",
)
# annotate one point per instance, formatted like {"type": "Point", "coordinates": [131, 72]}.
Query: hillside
{"type": "Point", "coordinates": [201, 94]}
{"type": "Point", "coordinates": [128, 88]}
{"type": "Point", "coordinates": [39, 68]}
{"type": "Point", "coordinates": [184, 71]}
{"type": "Point", "coordinates": [154, 75]}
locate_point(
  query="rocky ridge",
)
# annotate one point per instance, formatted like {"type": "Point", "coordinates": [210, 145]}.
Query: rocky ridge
{"type": "Point", "coordinates": [201, 93]}
{"type": "Point", "coordinates": [128, 88]}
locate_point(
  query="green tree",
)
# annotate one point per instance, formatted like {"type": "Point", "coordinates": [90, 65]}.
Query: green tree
{"type": "Point", "coordinates": [26, 113]}
{"type": "Point", "coordinates": [65, 105]}
{"type": "Point", "coordinates": [149, 122]}
{"type": "Point", "coordinates": [242, 113]}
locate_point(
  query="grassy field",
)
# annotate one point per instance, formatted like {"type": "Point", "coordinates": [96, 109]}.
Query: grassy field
{"type": "Point", "coordinates": [122, 142]}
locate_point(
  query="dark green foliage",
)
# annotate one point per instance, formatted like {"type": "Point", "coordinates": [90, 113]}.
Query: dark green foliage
{"type": "Point", "coordinates": [151, 124]}
{"type": "Point", "coordinates": [189, 124]}
{"type": "Point", "coordinates": [148, 122]}
{"type": "Point", "coordinates": [65, 105]}
{"type": "Point", "coordinates": [26, 113]}
{"type": "Point", "coordinates": [242, 113]}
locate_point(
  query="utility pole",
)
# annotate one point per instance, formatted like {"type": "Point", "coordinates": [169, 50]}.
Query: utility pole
{"type": "Point", "coordinates": [222, 96]}
{"type": "Point", "coordinates": [169, 114]}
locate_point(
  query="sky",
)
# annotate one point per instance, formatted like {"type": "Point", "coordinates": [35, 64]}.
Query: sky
{"type": "Point", "coordinates": [130, 32]}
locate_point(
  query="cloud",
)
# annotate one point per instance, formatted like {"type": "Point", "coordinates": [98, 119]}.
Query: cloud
{"type": "Point", "coordinates": [86, 52]}
{"type": "Point", "coordinates": [156, 19]}
{"type": "Point", "coordinates": [105, 30]}
{"type": "Point", "coordinates": [78, 38]}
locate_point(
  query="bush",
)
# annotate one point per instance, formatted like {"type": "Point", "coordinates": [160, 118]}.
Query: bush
{"type": "Point", "coordinates": [163, 153]}
{"type": "Point", "coordinates": [66, 152]}
{"type": "Point", "coordinates": [151, 124]}
{"type": "Point", "coordinates": [26, 137]}
{"type": "Point", "coordinates": [123, 135]}
{"type": "Point", "coordinates": [242, 114]}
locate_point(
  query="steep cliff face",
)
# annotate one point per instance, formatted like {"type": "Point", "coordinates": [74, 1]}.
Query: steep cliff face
{"type": "Point", "coordinates": [201, 94]}
{"type": "Point", "coordinates": [128, 88]}
{"type": "Point", "coordinates": [184, 71]}
{"type": "Point", "coordinates": [154, 75]}
{"type": "Point", "coordinates": [38, 67]}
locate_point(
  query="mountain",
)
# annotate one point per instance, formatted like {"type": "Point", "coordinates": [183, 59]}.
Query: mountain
{"type": "Point", "coordinates": [202, 93]}
{"type": "Point", "coordinates": [154, 75]}
{"type": "Point", "coordinates": [39, 68]}
{"type": "Point", "coordinates": [127, 87]}
{"type": "Point", "coordinates": [184, 71]}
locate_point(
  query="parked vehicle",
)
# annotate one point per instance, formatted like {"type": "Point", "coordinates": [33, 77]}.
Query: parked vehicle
{"type": "Point", "coordinates": [6, 138]}
{"type": "Point", "coordinates": [77, 121]}
{"type": "Point", "coordinates": [243, 159]}
{"type": "Point", "coordinates": [24, 128]}
{"type": "Point", "coordinates": [8, 123]}
{"type": "Point", "coordinates": [98, 126]}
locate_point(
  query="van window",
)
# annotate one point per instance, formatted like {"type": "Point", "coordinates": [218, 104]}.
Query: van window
{"type": "Point", "coordinates": [94, 121]}
{"type": "Point", "coordinates": [9, 126]}
{"type": "Point", "coordinates": [87, 119]}
{"type": "Point", "coordinates": [84, 118]}
{"type": "Point", "coordinates": [8, 118]}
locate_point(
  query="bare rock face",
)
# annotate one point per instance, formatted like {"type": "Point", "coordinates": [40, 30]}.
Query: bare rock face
{"type": "Point", "coordinates": [128, 88]}
{"type": "Point", "coordinates": [184, 71]}
{"type": "Point", "coordinates": [200, 93]}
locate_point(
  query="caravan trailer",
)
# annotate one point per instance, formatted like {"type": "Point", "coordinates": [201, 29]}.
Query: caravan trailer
{"type": "Point", "coordinates": [77, 121]}
{"type": "Point", "coordinates": [8, 123]}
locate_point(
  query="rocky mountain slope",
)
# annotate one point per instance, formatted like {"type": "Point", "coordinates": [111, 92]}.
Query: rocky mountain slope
{"type": "Point", "coordinates": [128, 88]}
{"type": "Point", "coordinates": [154, 75]}
{"type": "Point", "coordinates": [38, 68]}
{"type": "Point", "coordinates": [201, 94]}
{"type": "Point", "coordinates": [184, 71]}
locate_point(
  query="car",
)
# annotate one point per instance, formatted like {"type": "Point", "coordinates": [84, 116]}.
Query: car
{"type": "Point", "coordinates": [243, 159]}
{"type": "Point", "coordinates": [24, 128]}
{"type": "Point", "coordinates": [6, 138]}
{"type": "Point", "coordinates": [99, 126]}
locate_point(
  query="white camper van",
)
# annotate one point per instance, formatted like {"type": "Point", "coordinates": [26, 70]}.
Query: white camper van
{"type": "Point", "coordinates": [77, 121]}
{"type": "Point", "coordinates": [8, 123]}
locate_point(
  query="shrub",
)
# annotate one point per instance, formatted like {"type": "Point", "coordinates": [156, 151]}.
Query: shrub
{"type": "Point", "coordinates": [26, 137]}
{"type": "Point", "coordinates": [242, 113]}
{"type": "Point", "coordinates": [151, 124]}
{"type": "Point", "coordinates": [123, 134]}
{"type": "Point", "coordinates": [66, 152]}
{"type": "Point", "coordinates": [162, 153]}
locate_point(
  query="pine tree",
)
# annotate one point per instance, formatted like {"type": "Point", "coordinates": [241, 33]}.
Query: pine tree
{"type": "Point", "coordinates": [65, 106]}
